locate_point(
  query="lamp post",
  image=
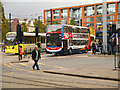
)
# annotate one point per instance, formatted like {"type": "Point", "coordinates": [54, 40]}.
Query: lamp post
{"type": "Point", "coordinates": [104, 8]}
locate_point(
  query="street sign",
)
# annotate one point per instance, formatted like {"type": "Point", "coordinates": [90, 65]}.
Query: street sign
{"type": "Point", "coordinates": [117, 25]}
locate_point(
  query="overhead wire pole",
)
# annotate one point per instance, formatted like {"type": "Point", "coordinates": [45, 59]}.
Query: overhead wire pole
{"type": "Point", "coordinates": [10, 21]}
{"type": "Point", "coordinates": [51, 15]}
{"type": "Point", "coordinates": [38, 29]}
{"type": "Point", "coordinates": [104, 9]}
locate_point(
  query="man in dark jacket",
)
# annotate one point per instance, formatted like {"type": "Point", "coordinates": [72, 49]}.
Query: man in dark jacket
{"type": "Point", "coordinates": [35, 56]}
{"type": "Point", "coordinates": [113, 46]}
{"type": "Point", "coordinates": [93, 48]}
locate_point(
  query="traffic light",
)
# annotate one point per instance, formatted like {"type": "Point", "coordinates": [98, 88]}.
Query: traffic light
{"type": "Point", "coordinates": [113, 28]}
{"type": "Point", "coordinates": [18, 32]}
{"type": "Point", "coordinates": [36, 29]}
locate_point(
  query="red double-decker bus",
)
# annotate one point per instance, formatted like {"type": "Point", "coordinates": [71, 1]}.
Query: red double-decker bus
{"type": "Point", "coordinates": [67, 39]}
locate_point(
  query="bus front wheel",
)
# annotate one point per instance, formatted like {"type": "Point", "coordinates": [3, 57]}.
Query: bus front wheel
{"type": "Point", "coordinates": [70, 51]}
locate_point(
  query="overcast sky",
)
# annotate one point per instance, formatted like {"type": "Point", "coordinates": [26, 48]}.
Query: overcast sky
{"type": "Point", "coordinates": [31, 9]}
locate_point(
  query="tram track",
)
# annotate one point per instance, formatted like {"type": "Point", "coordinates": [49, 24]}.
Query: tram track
{"type": "Point", "coordinates": [36, 82]}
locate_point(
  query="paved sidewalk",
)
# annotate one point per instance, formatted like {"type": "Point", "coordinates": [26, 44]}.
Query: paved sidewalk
{"type": "Point", "coordinates": [107, 74]}
{"type": "Point", "coordinates": [98, 73]}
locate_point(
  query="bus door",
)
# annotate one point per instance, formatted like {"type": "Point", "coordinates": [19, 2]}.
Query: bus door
{"type": "Point", "coordinates": [65, 45]}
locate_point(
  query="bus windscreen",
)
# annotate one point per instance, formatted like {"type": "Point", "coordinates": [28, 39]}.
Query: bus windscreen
{"type": "Point", "coordinates": [54, 40]}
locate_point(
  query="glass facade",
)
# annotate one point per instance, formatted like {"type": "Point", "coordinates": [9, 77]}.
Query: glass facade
{"type": "Point", "coordinates": [80, 12]}
{"type": "Point", "coordinates": [99, 9]}
{"type": "Point", "coordinates": [47, 15]}
{"type": "Point", "coordinates": [110, 17]}
{"type": "Point", "coordinates": [89, 15]}
{"type": "Point", "coordinates": [89, 11]}
{"type": "Point", "coordinates": [63, 21]}
{"type": "Point", "coordinates": [56, 14]}
{"type": "Point", "coordinates": [64, 13]}
{"type": "Point", "coordinates": [118, 7]}
{"type": "Point", "coordinates": [98, 18]}
{"type": "Point", "coordinates": [118, 17]}
{"type": "Point", "coordinates": [111, 8]}
{"type": "Point", "coordinates": [91, 19]}
{"type": "Point", "coordinates": [75, 12]}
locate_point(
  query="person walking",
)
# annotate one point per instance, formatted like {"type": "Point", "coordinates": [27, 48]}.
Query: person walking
{"type": "Point", "coordinates": [113, 46]}
{"type": "Point", "coordinates": [35, 56]}
{"type": "Point", "coordinates": [20, 53]}
{"type": "Point", "coordinates": [100, 46]}
{"type": "Point", "coordinates": [93, 48]}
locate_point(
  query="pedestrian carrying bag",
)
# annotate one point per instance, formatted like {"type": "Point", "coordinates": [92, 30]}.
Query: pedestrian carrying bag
{"type": "Point", "coordinates": [21, 53]}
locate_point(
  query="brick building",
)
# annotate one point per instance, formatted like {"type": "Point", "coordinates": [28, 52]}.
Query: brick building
{"type": "Point", "coordinates": [29, 23]}
{"type": "Point", "coordinates": [14, 24]}
{"type": "Point", "coordinates": [91, 15]}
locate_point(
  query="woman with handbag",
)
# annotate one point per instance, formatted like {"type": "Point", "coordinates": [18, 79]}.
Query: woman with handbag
{"type": "Point", "coordinates": [20, 53]}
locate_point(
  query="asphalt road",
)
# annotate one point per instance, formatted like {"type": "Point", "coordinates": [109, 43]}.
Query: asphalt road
{"type": "Point", "coordinates": [21, 75]}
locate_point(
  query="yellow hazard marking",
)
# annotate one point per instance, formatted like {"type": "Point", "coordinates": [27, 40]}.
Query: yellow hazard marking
{"type": "Point", "coordinates": [9, 73]}
{"type": "Point", "coordinates": [41, 63]}
{"type": "Point", "coordinates": [17, 68]}
{"type": "Point", "coordinates": [11, 65]}
{"type": "Point", "coordinates": [58, 67]}
{"type": "Point", "coordinates": [23, 64]}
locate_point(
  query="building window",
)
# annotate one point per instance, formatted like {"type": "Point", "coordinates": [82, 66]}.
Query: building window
{"type": "Point", "coordinates": [110, 17]}
{"type": "Point", "coordinates": [99, 9]}
{"type": "Point", "coordinates": [111, 8]}
{"type": "Point", "coordinates": [63, 21]}
{"type": "Point", "coordinates": [90, 25]}
{"type": "Point", "coordinates": [90, 19]}
{"type": "Point", "coordinates": [98, 18]}
{"type": "Point", "coordinates": [64, 13]}
{"type": "Point", "coordinates": [56, 14]}
{"type": "Point", "coordinates": [118, 7]}
{"type": "Point", "coordinates": [80, 12]}
{"type": "Point", "coordinates": [47, 15]}
{"type": "Point", "coordinates": [89, 11]}
{"type": "Point", "coordinates": [75, 12]}
{"type": "Point", "coordinates": [118, 17]}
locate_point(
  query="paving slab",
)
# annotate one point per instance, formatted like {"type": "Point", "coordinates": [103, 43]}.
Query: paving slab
{"type": "Point", "coordinates": [102, 73]}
